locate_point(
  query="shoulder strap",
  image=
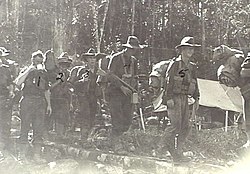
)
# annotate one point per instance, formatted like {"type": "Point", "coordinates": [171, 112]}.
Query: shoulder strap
{"type": "Point", "coordinates": [169, 66]}
{"type": "Point", "coordinates": [163, 85]}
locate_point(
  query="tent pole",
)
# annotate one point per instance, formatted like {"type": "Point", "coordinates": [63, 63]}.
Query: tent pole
{"type": "Point", "coordinates": [226, 121]}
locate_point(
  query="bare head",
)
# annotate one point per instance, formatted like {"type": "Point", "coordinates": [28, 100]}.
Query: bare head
{"type": "Point", "coordinates": [37, 57]}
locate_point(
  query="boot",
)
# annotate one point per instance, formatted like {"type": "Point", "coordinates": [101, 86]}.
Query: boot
{"type": "Point", "coordinates": [178, 156]}
{"type": "Point", "coordinates": [37, 154]}
{"type": "Point", "coordinates": [84, 134]}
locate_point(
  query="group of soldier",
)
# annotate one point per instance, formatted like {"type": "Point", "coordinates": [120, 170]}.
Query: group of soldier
{"type": "Point", "coordinates": [50, 85]}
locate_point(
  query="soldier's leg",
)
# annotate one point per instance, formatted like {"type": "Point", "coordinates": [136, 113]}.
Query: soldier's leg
{"type": "Point", "coordinates": [26, 113]}
{"type": "Point", "coordinates": [170, 136]}
{"type": "Point", "coordinates": [126, 113]}
{"type": "Point", "coordinates": [93, 110]}
{"type": "Point", "coordinates": [53, 114]}
{"type": "Point", "coordinates": [39, 129]}
{"type": "Point", "coordinates": [185, 124]}
{"type": "Point", "coordinates": [85, 117]}
{"type": "Point", "coordinates": [61, 117]}
{"type": "Point", "coordinates": [116, 115]}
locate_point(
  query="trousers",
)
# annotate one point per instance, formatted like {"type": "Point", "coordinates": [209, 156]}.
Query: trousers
{"type": "Point", "coordinates": [175, 135]}
{"type": "Point", "coordinates": [121, 113]}
{"type": "Point", "coordinates": [33, 111]}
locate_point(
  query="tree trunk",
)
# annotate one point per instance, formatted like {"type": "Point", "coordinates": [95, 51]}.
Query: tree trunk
{"type": "Point", "coordinates": [153, 33]}
{"type": "Point", "coordinates": [133, 18]}
{"type": "Point", "coordinates": [96, 26]}
{"type": "Point", "coordinates": [170, 10]}
{"type": "Point", "coordinates": [103, 26]}
{"type": "Point", "coordinates": [203, 44]}
{"type": "Point", "coordinates": [163, 25]}
{"type": "Point", "coordinates": [59, 32]}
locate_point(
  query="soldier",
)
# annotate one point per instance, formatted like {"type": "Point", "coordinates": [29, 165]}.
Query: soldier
{"type": "Point", "coordinates": [13, 66]}
{"type": "Point", "coordinates": [181, 84]}
{"type": "Point", "coordinates": [14, 69]}
{"type": "Point", "coordinates": [6, 93]}
{"type": "Point", "coordinates": [52, 71]}
{"type": "Point", "coordinates": [34, 105]}
{"type": "Point", "coordinates": [84, 78]}
{"type": "Point", "coordinates": [124, 66]}
{"type": "Point", "coordinates": [61, 94]}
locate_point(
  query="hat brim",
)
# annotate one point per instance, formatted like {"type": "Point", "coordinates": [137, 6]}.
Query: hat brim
{"type": "Point", "coordinates": [5, 54]}
{"type": "Point", "coordinates": [88, 54]}
{"type": "Point", "coordinates": [133, 47]}
{"type": "Point", "coordinates": [187, 45]}
{"type": "Point", "coordinates": [65, 62]}
{"type": "Point", "coordinates": [96, 56]}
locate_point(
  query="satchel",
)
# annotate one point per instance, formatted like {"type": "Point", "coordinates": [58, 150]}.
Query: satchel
{"type": "Point", "coordinates": [245, 91]}
{"type": "Point", "coordinates": [192, 87]}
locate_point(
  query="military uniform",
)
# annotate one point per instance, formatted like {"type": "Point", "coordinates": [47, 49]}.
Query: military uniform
{"type": "Point", "coordinates": [13, 66]}
{"type": "Point", "coordinates": [5, 106]}
{"type": "Point", "coordinates": [60, 101]}
{"type": "Point", "coordinates": [33, 105]}
{"type": "Point", "coordinates": [245, 92]}
{"type": "Point", "coordinates": [182, 83]}
{"type": "Point", "coordinates": [86, 90]}
{"type": "Point", "coordinates": [61, 94]}
{"type": "Point", "coordinates": [120, 104]}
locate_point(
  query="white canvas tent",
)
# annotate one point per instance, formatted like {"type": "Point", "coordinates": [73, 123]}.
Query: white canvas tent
{"type": "Point", "coordinates": [214, 94]}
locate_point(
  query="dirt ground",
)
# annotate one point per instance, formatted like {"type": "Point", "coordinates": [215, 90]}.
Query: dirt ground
{"type": "Point", "coordinates": [207, 145]}
{"type": "Point", "coordinates": [213, 146]}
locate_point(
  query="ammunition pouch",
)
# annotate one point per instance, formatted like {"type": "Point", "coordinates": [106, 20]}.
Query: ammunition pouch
{"type": "Point", "coordinates": [177, 89]}
{"type": "Point", "coordinates": [181, 88]}
{"type": "Point", "coordinates": [135, 98]}
{"type": "Point", "coordinates": [192, 87]}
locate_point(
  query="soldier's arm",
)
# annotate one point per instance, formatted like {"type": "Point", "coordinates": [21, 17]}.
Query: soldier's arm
{"type": "Point", "coordinates": [11, 91]}
{"type": "Point", "coordinates": [170, 83]}
{"type": "Point", "coordinates": [102, 71]}
{"type": "Point", "coordinates": [73, 75]}
{"type": "Point", "coordinates": [22, 76]}
{"type": "Point", "coordinates": [114, 71]}
{"type": "Point", "coordinates": [196, 95]}
{"type": "Point", "coordinates": [47, 98]}
{"type": "Point", "coordinates": [47, 94]}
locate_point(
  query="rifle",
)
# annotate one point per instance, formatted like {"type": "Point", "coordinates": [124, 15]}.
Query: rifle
{"type": "Point", "coordinates": [104, 73]}
{"type": "Point", "coordinates": [134, 91]}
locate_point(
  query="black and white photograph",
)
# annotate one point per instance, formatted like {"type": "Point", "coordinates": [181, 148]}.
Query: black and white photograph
{"type": "Point", "coordinates": [124, 86]}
